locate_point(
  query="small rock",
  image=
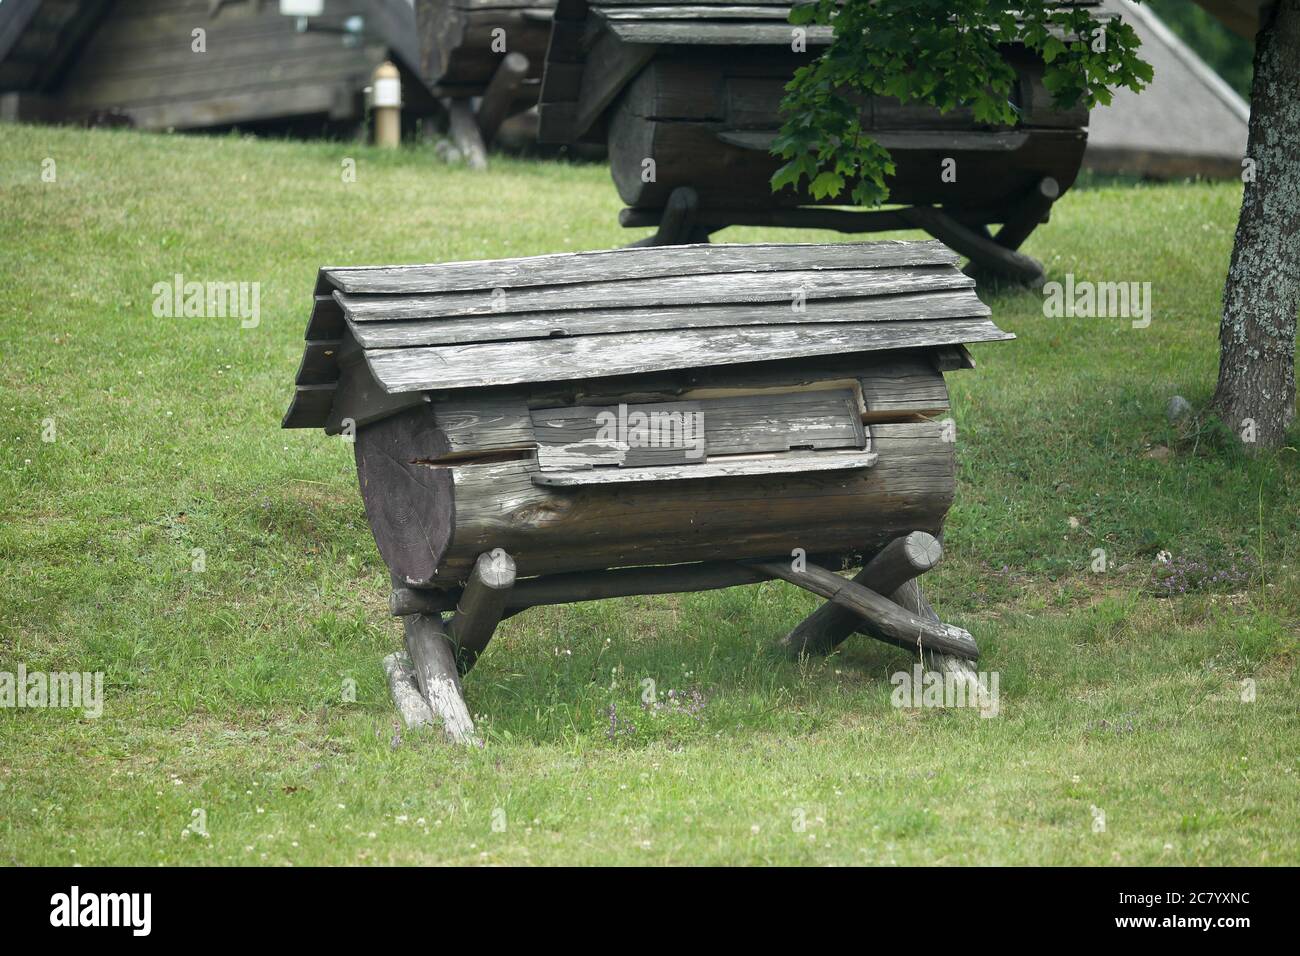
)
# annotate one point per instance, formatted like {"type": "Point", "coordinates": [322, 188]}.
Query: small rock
{"type": "Point", "coordinates": [1177, 408]}
{"type": "Point", "coordinates": [1159, 453]}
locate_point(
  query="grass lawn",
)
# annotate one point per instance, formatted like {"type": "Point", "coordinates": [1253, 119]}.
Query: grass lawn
{"type": "Point", "coordinates": [224, 687]}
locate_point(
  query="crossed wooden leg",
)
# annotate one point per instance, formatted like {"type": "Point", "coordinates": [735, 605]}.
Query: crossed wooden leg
{"type": "Point", "coordinates": [425, 682]}
{"type": "Point", "coordinates": [904, 619]}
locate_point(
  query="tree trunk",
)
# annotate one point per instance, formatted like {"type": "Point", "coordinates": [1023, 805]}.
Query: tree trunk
{"type": "Point", "coordinates": [1255, 396]}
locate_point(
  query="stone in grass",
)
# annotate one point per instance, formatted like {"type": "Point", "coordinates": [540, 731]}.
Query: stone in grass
{"type": "Point", "coordinates": [1178, 408]}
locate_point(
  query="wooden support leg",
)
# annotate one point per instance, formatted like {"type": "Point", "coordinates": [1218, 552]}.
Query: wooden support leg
{"type": "Point", "coordinates": [405, 690]}
{"type": "Point", "coordinates": [481, 606]}
{"type": "Point", "coordinates": [897, 564]}
{"type": "Point", "coordinates": [910, 597]}
{"type": "Point", "coordinates": [677, 225]}
{"type": "Point", "coordinates": [1032, 210]}
{"type": "Point", "coordinates": [463, 127]}
{"type": "Point", "coordinates": [882, 618]}
{"type": "Point", "coordinates": [984, 253]}
{"type": "Point", "coordinates": [499, 96]}
{"type": "Point", "coordinates": [434, 664]}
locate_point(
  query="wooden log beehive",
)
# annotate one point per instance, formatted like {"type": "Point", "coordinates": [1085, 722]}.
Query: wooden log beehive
{"type": "Point", "coordinates": [687, 97]}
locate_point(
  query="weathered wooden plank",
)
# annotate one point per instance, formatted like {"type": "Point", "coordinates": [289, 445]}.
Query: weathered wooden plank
{"type": "Point", "coordinates": [609, 66]}
{"type": "Point", "coordinates": [310, 406]}
{"type": "Point", "coordinates": [715, 33]}
{"type": "Point", "coordinates": [484, 424]}
{"type": "Point", "coordinates": [776, 422]}
{"type": "Point", "coordinates": [359, 400]}
{"type": "Point", "coordinates": [955, 305]}
{"type": "Point", "coordinates": [538, 360]}
{"type": "Point", "coordinates": [696, 12]}
{"type": "Point", "coordinates": [573, 437]}
{"type": "Point", "coordinates": [727, 467]}
{"type": "Point", "coordinates": [700, 289]}
{"type": "Point", "coordinates": [617, 264]}
{"type": "Point", "coordinates": [979, 141]}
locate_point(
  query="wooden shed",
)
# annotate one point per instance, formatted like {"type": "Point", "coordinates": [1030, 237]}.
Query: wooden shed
{"type": "Point", "coordinates": [1187, 122]}
{"type": "Point", "coordinates": [139, 62]}
{"type": "Point", "coordinates": [686, 95]}
{"type": "Point", "coordinates": [647, 420]}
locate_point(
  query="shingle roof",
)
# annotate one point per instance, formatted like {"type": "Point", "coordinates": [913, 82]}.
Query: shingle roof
{"type": "Point", "coordinates": [583, 315]}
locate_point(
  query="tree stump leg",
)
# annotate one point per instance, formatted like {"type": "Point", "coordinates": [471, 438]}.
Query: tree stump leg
{"type": "Point", "coordinates": [499, 97]}
{"type": "Point", "coordinates": [463, 126]}
{"type": "Point", "coordinates": [481, 606]}
{"type": "Point", "coordinates": [434, 663]}
{"type": "Point", "coordinates": [911, 597]}
{"type": "Point", "coordinates": [896, 565]}
{"type": "Point", "coordinates": [405, 691]}
{"type": "Point", "coordinates": [677, 225]}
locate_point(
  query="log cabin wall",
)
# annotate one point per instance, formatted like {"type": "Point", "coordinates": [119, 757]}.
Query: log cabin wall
{"type": "Point", "coordinates": [137, 66]}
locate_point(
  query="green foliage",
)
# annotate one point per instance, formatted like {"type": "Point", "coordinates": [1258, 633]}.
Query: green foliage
{"type": "Point", "coordinates": [1231, 56]}
{"type": "Point", "coordinates": [942, 52]}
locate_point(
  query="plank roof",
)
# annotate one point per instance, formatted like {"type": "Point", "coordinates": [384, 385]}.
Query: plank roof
{"type": "Point", "coordinates": [571, 316]}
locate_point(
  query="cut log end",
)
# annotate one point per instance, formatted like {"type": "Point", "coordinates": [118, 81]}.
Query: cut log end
{"type": "Point", "coordinates": [922, 550]}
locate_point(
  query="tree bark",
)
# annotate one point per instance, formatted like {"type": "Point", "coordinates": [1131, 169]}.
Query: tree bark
{"type": "Point", "coordinates": [1255, 395]}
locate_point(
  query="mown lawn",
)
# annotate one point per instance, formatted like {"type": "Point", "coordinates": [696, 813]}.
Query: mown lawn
{"type": "Point", "coordinates": [224, 687]}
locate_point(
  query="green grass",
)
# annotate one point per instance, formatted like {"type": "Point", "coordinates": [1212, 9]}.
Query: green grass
{"type": "Point", "coordinates": [224, 687]}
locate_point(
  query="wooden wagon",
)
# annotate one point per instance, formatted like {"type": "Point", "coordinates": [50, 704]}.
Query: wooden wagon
{"type": "Point", "coordinates": [687, 95]}
{"type": "Point", "coordinates": [638, 421]}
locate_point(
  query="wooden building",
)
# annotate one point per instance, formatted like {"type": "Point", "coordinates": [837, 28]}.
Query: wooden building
{"type": "Point", "coordinates": [1187, 122]}
{"type": "Point", "coordinates": [141, 62]}
{"type": "Point", "coordinates": [647, 420]}
{"type": "Point", "coordinates": [687, 98]}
